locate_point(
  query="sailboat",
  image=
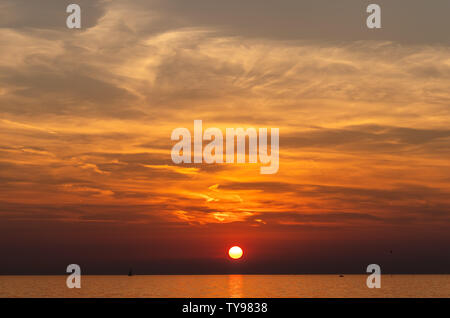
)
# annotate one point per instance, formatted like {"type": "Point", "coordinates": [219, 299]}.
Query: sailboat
{"type": "Point", "coordinates": [130, 273]}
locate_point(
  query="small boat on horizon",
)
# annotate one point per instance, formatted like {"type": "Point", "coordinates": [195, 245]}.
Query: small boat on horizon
{"type": "Point", "coordinates": [130, 273]}
{"type": "Point", "coordinates": [341, 275]}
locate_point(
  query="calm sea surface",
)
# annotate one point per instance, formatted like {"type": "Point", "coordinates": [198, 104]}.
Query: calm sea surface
{"type": "Point", "coordinates": [227, 286]}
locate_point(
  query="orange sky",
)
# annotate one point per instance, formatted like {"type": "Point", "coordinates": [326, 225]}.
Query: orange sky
{"type": "Point", "coordinates": [85, 125]}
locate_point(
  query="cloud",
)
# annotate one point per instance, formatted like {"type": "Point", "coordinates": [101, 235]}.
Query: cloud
{"type": "Point", "coordinates": [372, 138]}
{"type": "Point", "coordinates": [148, 76]}
{"type": "Point", "coordinates": [87, 114]}
{"type": "Point", "coordinates": [318, 20]}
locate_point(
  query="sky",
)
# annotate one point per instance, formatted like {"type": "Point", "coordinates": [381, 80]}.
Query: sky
{"type": "Point", "coordinates": [86, 116]}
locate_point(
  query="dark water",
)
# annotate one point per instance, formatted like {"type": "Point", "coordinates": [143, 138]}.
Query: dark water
{"type": "Point", "coordinates": [227, 286]}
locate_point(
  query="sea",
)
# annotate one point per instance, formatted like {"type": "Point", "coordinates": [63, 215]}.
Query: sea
{"type": "Point", "coordinates": [226, 286]}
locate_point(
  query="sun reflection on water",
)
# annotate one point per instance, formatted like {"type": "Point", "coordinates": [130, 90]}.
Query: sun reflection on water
{"type": "Point", "coordinates": [235, 283]}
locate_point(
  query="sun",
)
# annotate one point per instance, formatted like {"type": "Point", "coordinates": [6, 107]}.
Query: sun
{"type": "Point", "coordinates": [235, 252]}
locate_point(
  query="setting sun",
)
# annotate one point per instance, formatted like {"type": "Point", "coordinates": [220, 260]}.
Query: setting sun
{"type": "Point", "coordinates": [235, 252]}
